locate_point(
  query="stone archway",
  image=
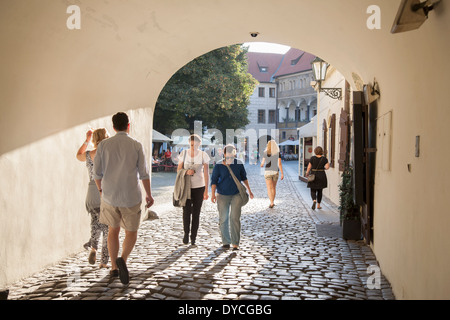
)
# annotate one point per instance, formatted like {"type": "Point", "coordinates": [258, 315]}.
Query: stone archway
{"type": "Point", "coordinates": [54, 80]}
{"type": "Point", "coordinates": [127, 52]}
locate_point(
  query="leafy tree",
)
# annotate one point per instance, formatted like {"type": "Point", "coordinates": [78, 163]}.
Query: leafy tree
{"type": "Point", "coordinates": [214, 88]}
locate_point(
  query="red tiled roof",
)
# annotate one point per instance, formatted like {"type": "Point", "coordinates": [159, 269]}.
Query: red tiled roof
{"type": "Point", "coordinates": [294, 61]}
{"type": "Point", "coordinates": [277, 65]}
{"type": "Point", "coordinates": [257, 60]}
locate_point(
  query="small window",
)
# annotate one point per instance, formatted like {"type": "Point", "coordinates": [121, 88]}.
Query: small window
{"type": "Point", "coordinates": [272, 92]}
{"type": "Point", "coordinates": [295, 61]}
{"type": "Point", "coordinates": [297, 114]}
{"type": "Point", "coordinates": [261, 92]}
{"type": "Point", "coordinates": [261, 116]}
{"type": "Point", "coordinates": [271, 116]}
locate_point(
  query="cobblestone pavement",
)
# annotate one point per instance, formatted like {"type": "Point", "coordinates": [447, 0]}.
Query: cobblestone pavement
{"type": "Point", "coordinates": [281, 257]}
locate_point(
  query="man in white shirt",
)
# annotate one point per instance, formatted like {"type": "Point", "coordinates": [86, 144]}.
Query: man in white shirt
{"type": "Point", "coordinates": [118, 165]}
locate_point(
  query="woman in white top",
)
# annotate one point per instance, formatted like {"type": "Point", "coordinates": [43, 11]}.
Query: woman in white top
{"type": "Point", "coordinates": [196, 162]}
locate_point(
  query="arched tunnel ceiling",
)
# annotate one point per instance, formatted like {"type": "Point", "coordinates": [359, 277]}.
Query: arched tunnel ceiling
{"type": "Point", "coordinates": [54, 78]}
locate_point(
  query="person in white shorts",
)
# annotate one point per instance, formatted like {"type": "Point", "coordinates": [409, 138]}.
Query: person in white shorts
{"type": "Point", "coordinates": [273, 168]}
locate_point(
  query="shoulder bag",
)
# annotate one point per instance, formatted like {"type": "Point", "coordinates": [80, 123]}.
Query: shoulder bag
{"type": "Point", "coordinates": [242, 190]}
{"type": "Point", "coordinates": [312, 176]}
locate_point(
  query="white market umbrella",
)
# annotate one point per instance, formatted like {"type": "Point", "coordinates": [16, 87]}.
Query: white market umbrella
{"type": "Point", "coordinates": [289, 143]}
{"type": "Point", "coordinates": [159, 137]}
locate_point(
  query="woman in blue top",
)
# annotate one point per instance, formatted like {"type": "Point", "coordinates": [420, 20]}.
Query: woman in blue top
{"type": "Point", "coordinates": [228, 199]}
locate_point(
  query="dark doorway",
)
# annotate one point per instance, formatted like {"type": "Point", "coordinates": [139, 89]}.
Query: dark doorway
{"type": "Point", "coordinates": [364, 126]}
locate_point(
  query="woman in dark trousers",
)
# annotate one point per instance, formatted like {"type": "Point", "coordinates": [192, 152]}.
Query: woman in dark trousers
{"type": "Point", "coordinates": [196, 162]}
{"type": "Point", "coordinates": [317, 166]}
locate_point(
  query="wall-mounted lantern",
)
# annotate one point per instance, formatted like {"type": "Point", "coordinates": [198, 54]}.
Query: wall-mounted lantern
{"type": "Point", "coordinates": [319, 68]}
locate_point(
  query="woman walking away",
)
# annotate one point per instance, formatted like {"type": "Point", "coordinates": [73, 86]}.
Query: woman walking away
{"type": "Point", "coordinates": [229, 201]}
{"type": "Point", "coordinates": [93, 198]}
{"type": "Point", "coordinates": [317, 166]}
{"type": "Point", "coordinates": [196, 164]}
{"type": "Point", "coordinates": [273, 165]}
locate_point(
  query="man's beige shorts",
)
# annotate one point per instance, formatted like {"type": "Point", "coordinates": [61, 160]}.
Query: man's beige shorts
{"type": "Point", "coordinates": [127, 218]}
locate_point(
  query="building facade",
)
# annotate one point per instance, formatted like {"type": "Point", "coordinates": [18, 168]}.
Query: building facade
{"type": "Point", "coordinates": [296, 100]}
{"type": "Point", "coordinates": [284, 99]}
{"type": "Point", "coordinates": [262, 112]}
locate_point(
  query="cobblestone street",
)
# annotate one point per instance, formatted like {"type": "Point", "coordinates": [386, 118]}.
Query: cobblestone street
{"type": "Point", "coordinates": [281, 256]}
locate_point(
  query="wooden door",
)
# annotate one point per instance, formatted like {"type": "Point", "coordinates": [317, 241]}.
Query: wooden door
{"type": "Point", "coordinates": [343, 140]}
{"type": "Point", "coordinates": [325, 136]}
{"type": "Point", "coordinates": [364, 161]}
{"type": "Point", "coordinates": [332, 139]}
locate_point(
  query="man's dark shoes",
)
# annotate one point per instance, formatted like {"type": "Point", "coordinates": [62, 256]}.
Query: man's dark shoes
{"type": "Point", "coordinates": [123, 271]}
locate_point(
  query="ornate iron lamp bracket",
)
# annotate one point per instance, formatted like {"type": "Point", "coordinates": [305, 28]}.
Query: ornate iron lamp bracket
{"type": "Point", "coordinates": [335, 93]}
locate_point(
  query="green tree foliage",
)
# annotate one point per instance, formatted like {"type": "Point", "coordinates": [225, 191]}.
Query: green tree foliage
{"type": "Point", "coordinates": [214, 88]}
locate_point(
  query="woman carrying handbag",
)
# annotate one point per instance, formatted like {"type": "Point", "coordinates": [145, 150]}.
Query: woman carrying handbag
{"type": "Point", "coordinates": [319, 181]}
{"type": "Point", "coordinates": [229, 199]}
{"type": "Point", "coordinates": [195, 166]}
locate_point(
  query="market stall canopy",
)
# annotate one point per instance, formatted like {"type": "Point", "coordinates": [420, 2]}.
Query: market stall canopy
{"type": "Point", "coordinates": [289, 143]}
{"type": "Point", "coordinates": [309, 129]}
{"type": "Point", "coordinates": [159, 137]}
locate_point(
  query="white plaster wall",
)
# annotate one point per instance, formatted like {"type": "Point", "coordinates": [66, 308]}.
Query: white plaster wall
{"type": "Point", "coordinates": [53, 79]}
{"type": "Point", "coordinates": [327, 107]}
{"type": "Point", "coordinates": [411, 218]}
{"type": "Point", "coordinates": [43, 188]}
